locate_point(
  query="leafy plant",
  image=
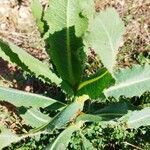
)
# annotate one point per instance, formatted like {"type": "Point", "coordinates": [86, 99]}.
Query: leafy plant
{"type": "Point", "coordinates": [74, 27]}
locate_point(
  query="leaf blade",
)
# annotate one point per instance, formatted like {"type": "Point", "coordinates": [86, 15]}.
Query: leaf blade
{"type": "Point", "coordinates": [63, 139]}
{"type": "Point", "coordinates": [101, 80]}
{"type": "Point", "coordinates": [68, 21]}
{"type": "Point", "coordinates": [20, 98]}
{"type": "Point", "coordinates": [130, 82]}
{"type": "Point", "coordinates": [14, 54]}
{"type": "Point", "coordinates": [105, 35]}
{"type": "Point", "coordinates": [34, 117]}
{"type": "Point", "coordinates": [139, 118]}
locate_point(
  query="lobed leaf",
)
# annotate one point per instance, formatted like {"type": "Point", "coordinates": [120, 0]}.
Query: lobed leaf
{"type": "Point", "coordinates": [130, 82]}
{"type": "Point", "coordinates": [13, 53]}
{"type": "Point", "coordinates": [68, 21]}
{"type": "Point", "coordinates": [104, 36]}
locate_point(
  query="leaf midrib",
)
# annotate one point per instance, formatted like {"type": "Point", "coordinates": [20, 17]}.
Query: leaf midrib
{"type": "Point", "coordinates": [122, 85]}
{"type": "Point", "coordinates": [70, 71]}
{"type": "Point", "coordinates": [37, 117]}
{"type": "Point", "coordinates": [109, 39]}
{"type": "Point", "coordinates": [85, 83]}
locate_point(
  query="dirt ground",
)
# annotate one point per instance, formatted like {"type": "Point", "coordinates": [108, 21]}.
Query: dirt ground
{"type": "Point", "coordinates": [17, 25]}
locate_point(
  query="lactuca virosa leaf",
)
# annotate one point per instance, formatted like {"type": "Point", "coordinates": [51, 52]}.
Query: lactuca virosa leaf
{"type": "Point", "coordinates": [104, 36]}
{"type": "Point", "coordinates": [62, 141]}
{"type": "Point", "coordinates": [37, 12]}
{"type": "Point", "coordinates": [68, 20]}
{"type": "Point", "coordinates": [28, 105]}
{"type": "Point", "coordinates": [28, 63]}
{"type": "Point", "coordinates": [7, 137]}
{"type": "Point", "coordinates": [33, 117]}
{"type": "Point", "coordinates": [138, 118]}
{"type": "Point", "coordinates": [130, 82]}
{"type": "Point", "coordinates": [94, 85]}
{"type": "Point", "coordinates": [63, 14]}
{"type": "Point", "coordinates": [66, 51]}
{"type": "Point", "coordinates": [67, 115]}
{"type": "Point", "coordinates": [108, 113]}
{"type": "Point", "coordinates": [21, 98]}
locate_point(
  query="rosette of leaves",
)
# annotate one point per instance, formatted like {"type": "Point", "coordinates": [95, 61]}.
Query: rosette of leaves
{"type": "Point", "coordinates": [74, 26]}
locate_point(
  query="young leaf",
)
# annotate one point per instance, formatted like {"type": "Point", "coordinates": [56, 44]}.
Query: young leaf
{"type": "Point", "coordinates": [20, 98]}
{"type": "Point", "coordinates": [28, 63]}
{"type": "Point", "coordinates": [139, 118]}
{"type": "Point", "coordinates": [63, 139]}
{"type": "Point", "coordinates": [67, 54]}
{"type": "Point", "coordinates": [68, 21]}
{"type": "Point", "coordinates": [104, 36]}
{"type": "Point", "coordinates": [34, 117]}
{"type": "Point", "coordinates": [37, 12]}
{"type": "Point", "coordinates": [130, 82]}
{"type": "Point", "coordinates": [95, 84]}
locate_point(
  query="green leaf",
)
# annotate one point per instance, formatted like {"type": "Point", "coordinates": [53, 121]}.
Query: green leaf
{"type": "Point", "coordinates": [68, 21]}
{"type": "Point", "coordinates": [68, 114]}
{"type": "Point", "coordinates": [95, 84]}
{"type": "Point", "coordinates": [63, 14]}
{"type": "Point", "coordinates": [139, 118]}
{"type": "Point", "coordinates": [104, 36]}
{"type": "Point", "coordinates": [37, 12]}
{"type": "Point", "coordinates": [33, 117]}
{"type": "Point", "coordinates": [63, 139]}
{"type": "Point", "coordinates": [89, 118]}
{"type": "Point", "coordinates": [67, 89]}
{"type": "Point", "coordinates": [28, 63]}
{"type": "Point", "coordinates": [86, 143]}
{"type": "Point", "coordinates": [68, 56]}
{"type": "Point", "coordinates": [7, 137]}
{"type": "Point", "coordinates": [110, 112]}
{"type": "Point", "coordinates": [130, 82]}
{"type": "Point", "coordinates": [115, 110]}
{"type": "Point", "coordinates": [20, 98]}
